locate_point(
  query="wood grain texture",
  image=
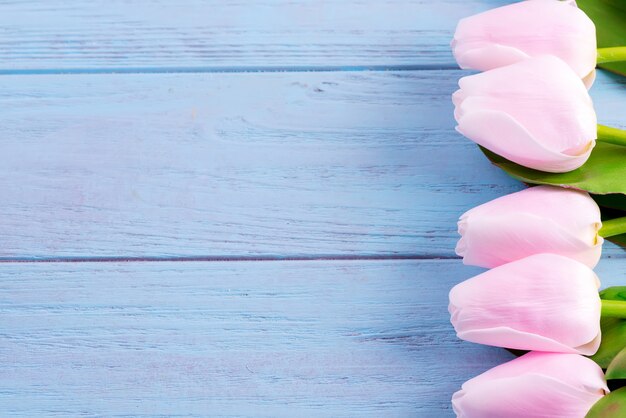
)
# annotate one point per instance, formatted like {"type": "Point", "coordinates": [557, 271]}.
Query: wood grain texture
{"type": "Point", "coordinates": [285, 164]}
{"type": "Point", "coordinates": [222, 164]}
{"type": "Point", "coordinates": [319, 338]}
{"type": "Point", "coordinates": [101, 34]}
{"type": "Point", "coordinates": [317, 164]}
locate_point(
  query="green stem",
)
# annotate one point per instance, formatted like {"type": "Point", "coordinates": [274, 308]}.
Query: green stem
{"type": "Point", "coordinates": [614, 308]}
{"type": "Point", "coordinates": [613, 54]}
{"type": "Point", "coordinates": [611, 135]}
{"type": "Point", "coordinates": [613, 227]}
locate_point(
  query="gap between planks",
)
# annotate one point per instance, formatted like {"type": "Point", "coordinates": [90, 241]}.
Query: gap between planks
{"type": "Point", "coordinates": [231, 69]}
{"type": "Point", "coordinates": [233, 258]}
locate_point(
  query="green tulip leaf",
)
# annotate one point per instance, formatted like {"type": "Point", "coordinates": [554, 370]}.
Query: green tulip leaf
{"type": "Point", "coordinates": [603, 173]}
{"type": "Point", "coordinates": [609, 17]}
{"type": "Point", "coordinates": [614, 293]}
{"type": "Point", "coordinates": [613, 341]}
{"type": "Point", "coordinates": [617, 367]}
{"type": "Point", "coordinates": [612, 405]}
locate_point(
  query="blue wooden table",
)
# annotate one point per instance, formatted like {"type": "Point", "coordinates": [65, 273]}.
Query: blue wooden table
{"type": "Point", "coordinates": [216, 208]}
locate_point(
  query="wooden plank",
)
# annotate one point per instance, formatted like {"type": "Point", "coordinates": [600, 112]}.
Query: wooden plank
{"type": "Point", "coordinates": [101, 34]}
{"type": "Point", "coordinates": [289, 164]}
{"type": "Point", "coordinates": [235, 164]}
{"type": "Point", "coordinates": [319, 338]}
{"type": "Point", "coordinates": [323, 338]}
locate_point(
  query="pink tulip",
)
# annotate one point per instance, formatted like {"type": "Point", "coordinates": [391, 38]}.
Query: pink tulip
{"type": "Point", "coordinates": [545, 302]}
{"type": "Point", "coordinates": [542, 219]}
{"type": "Point", "coordinates": [536, 385]}
{"type": "Point", "coordinates": [515, 32]}
{"type": "Point", "coordinates": [536, 113]}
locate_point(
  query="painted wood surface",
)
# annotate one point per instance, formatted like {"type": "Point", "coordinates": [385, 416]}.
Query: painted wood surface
{"type": "Point", "coordinates": [197, 164]}
{"type": "Point", "coordinates": [317, 338]}
{"type": "Point", "coordinates": [148, 34]}
{"type": "Point", "coordinates": [231, 165]}
{"type": "Point", "coordinates": [274, 338]}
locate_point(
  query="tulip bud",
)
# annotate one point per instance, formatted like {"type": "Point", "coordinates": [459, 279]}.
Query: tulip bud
{"type": "Point", "coordinates": [536, 385]}
{"type": "Point", "coordinates": [536, 113]}
{"type": "Point", "coordinates": [545, 302]}
{"type": "Point", "coordinates": [517, 31]}
{"type": "Point", "coordinates": [542, 219]}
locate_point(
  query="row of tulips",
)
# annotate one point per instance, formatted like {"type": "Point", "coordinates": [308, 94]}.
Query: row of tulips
{"type": "Point", "coordinates": [531, 106]}
{"type": "Point", "coordinates": [537, 52]}
{"type": "Point", "coordinates": [540, 294]}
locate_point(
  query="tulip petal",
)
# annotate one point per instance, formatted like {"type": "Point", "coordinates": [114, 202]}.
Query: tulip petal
{"type": "Point", "coordinates": [494, 239]}
{"type": "Point", "coordinates": [543, 302]}
{"type": "Point", "coordinates": [589, 79]}
{"type": "Point", "coordinates": [571, 369]}
{"type": "Point", "coordinates": [526, 396]}
{"type": "Point", "coordinates": [500, 133]}
{"type": "Point", "coordinates": [539, 27]}
{"type": "Point", "coordinates": [534, 385]}
{"type": "Point", "coordinates": [490, 55]}
{"type": "Point", "coordinates": [511, 338]}
{"type": "Point", "coordinates": [542, 95]}
{"type": "Point", "coordinates": [548, 202]}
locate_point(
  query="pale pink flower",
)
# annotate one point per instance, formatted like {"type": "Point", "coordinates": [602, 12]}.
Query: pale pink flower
{"type": "Point", "coordinates": [542, 219]}
{"type": "Point", "coordinates": [545, 302]}
{"type": "Point", "coordinates": [517, 31]}
{"type": "Point", "coordinates": [536, 113]}
{"type": "Point", "coordinates": [536, 385]}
